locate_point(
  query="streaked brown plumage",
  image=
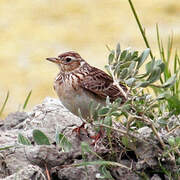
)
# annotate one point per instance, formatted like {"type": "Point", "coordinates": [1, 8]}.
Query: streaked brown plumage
{"type": "Point", "coordinates": [78, 83]}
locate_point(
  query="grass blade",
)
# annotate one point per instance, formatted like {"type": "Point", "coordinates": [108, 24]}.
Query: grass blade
{"type": "Point", "coordinates": [23, 140]}
{"type": "Point", "coordinates": [102, 162]}
{"type": "Point", "coordinates": [27, 99]}
{"type": "Point", "coordinates": [169, 48]}
{"type": "Point", "coordinates": [4, 104]}
{"type": "Point", "coordinates": [140, 27]}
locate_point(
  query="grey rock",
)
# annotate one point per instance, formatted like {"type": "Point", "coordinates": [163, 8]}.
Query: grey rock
{"type": "Point", "coordinates": [29, 172]}
{"type": "Point", "coordinates": [81, 173]}
{"type": "Point", "coordinates": [51, 117]}
{"type": "Point", "coordinates": [13, 120]}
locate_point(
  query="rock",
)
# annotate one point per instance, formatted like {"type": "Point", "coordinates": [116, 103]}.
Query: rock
{"type": "Point", "coordinates": [138, 150]}
{"type": "Point", "coordinates": [82, 173]}
{"type": "Point", "coordinates": [26, 173]}
{"type": "Point", "coordinates": [49, 117]}
{"type": "Point", "coordinates": [13, 120]}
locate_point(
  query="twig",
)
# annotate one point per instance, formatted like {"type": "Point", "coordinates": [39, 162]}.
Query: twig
{"type": "Point", "coordinates": [121, 131]}
{"type": "Point", "coordinates": [172, 130]}
{"type": "Point", "coordinates": [157, 135]}
{"type": "Point", "coordinates": [116, 83]}
{"type": "Point", "coordinates": [47, 172]}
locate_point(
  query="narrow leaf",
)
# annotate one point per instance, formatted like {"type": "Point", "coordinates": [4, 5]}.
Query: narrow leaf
{"type": "Point", "coordinates": [63, 142]}
{"type": "Point", "coordinates": [130, 81]}
{"type": "Point", "coordinates": [27, 99]}
{"type": "Point", "coordinates": [150, 66]}
{"type": "Point", "coordinates": [155, 75]}
{"type": "Point", "coordinates": [131, 67]}
{"type": "Point", "coordinates": [23, 140]}
{"type": "Point", "coordinates": [4, 104]}
{"type": "Point", "coordinates": [118, 51]}
{"type": "Point", "coordinates": [108, 69]}
{"type": "Point", "coordinates": [111, 57]}
{"type": "Point", "coordinates": [85, 147]}
{"type": "Point", "coordinates": [143, 57]}
{"type": "Point", "coordinates": [103, 111]}
{"type": "Point", "coordinates": [123, 55]}
{"type": "Point", "coordinates": [6, 147]}
{"type": "Point", "coordinates": [40, 138]}
{"type": "Point", "coordinates": [159, 63]}
{"type": "Point", "coordinates": [105, 174]}
{"type": "Point", "coordinates": [143, 84]}
{"type": "Point", "coordinates": [123, 74]}
{"type": "Point", "coordinates": [170, 82]}
{"type": "Point", "coordinates": [101, 162]}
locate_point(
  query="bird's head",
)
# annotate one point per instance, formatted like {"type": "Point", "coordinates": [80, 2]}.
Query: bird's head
{"type": "Point", "coordinates": [68, 61]}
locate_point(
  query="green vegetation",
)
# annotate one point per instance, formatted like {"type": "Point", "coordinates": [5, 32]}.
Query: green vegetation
{"type": "Point", "coordinates": [6, 100]}
{"type": "Point", "coordinates": [142, 109]}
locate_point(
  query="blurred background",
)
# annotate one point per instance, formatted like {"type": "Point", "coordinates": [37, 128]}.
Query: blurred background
{"type": "Point", "coordinates": [30, 31]}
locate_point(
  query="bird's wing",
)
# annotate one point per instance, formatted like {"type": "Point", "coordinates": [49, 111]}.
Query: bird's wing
{"type": "Point", "coordinates": [101, 84]}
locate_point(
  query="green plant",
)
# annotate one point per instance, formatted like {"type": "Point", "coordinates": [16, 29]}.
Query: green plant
{"type": "Point", "coordinates": [172, 97]}
{"type": "Point", "coordinates": [4, 104]}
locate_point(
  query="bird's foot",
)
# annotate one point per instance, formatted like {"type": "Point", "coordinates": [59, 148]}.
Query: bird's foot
{"type": "Point", "coordinates": [97, 136]}
{"type": "Point", "coordinates": [78, 129]}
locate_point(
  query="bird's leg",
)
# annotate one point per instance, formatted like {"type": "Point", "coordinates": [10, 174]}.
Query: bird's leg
{"type": "Point", "coordinates": [78, 129]}
{"type": "Point", "coordinates": [97, 136]}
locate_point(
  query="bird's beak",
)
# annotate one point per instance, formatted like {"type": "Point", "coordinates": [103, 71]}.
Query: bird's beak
{"type": "Point", "coordinates": [54, 60]}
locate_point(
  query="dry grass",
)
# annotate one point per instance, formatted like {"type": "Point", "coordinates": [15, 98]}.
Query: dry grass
{"type": "Point", "coordinates": [30, 31]}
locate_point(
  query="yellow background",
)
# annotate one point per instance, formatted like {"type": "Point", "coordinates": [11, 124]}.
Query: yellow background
{"type": "Point", "coordinates": [32, 30]}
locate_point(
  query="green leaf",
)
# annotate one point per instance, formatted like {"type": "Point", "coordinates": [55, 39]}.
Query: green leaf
{"type": "Point", "coordinates": [23, 140]}
{"type": "Point", "coordinates": [177, 140]}
{"type": "Point", "coordinates": [125, 141]}
{"type": "Point", "coordinates": [160, 63]}
{"type": "Point", "coordinates": [4, 104]}
{"type": "Point", "coordinates": [150, 66]}
{"type": "Point", "coordinates": [128, 143]}
{"type": "Point", "coordinates": [40, 138]}
{"type": "Point", "coordinates": [27, 99]}
{"type": "Point", "coordinates": [171, 141]}
{"type": "Point", "coordinates": [108, 120]}
{"type": "Point", "coordinates": [101, 162]}
{"type": "Point", "coordinates": [104, 173]}
{"type": "Point", "coordinates": [130, 81]}
{"type": "Point", "coordinates": [116, 114]}
{"type": "Point", "coordinates": [123, 55]}
{"type": "Point", "coordinates": [173, 104]}
{"type": "Point", "coordinates": [155, 75]}
{"type": "Point", "coordinates": [162, 96]}
{"type": "Point", "coordinates": [6, 147]}
{"type": "Point", "coordinates": [131, 67]}
{"type": "Point", "coordinates": [108, 69]}
{"type": "Point", "coordinates": [123, 74]}
{"type": "Point", "coordinates": [85, 147]}
{"type": "Point", "coordinates": [178, 161]}
{"type": "Point", "coordinates": [63, 142]}
{"type": "Point", "coordinates": [162, 122]}
{"type": "Point", "coordinates": [170, 82]}
{"type": "Point", "coordinates": [134, 55]}
{"type": "Point", "coordinates": [103, 111]}
{"type": "Point", "coordinates": [111, 57]}
{"type": "Point", "coordinates": [118, 51]}
{"type": "Point", "coordinates": [143, 57]}
{"type": "Point", "coordinates": [143, 84]}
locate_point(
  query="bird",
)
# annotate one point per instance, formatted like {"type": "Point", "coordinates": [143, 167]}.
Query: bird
{"type": "Point", "coordinates": [78, 84]}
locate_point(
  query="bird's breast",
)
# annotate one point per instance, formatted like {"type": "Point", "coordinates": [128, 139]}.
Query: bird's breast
{"type": "Point", "coordinates": [73, 96]}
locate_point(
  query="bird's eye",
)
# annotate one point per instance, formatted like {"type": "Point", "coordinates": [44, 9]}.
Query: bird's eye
{"type": "Point", "coordinates": [68, 59]}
